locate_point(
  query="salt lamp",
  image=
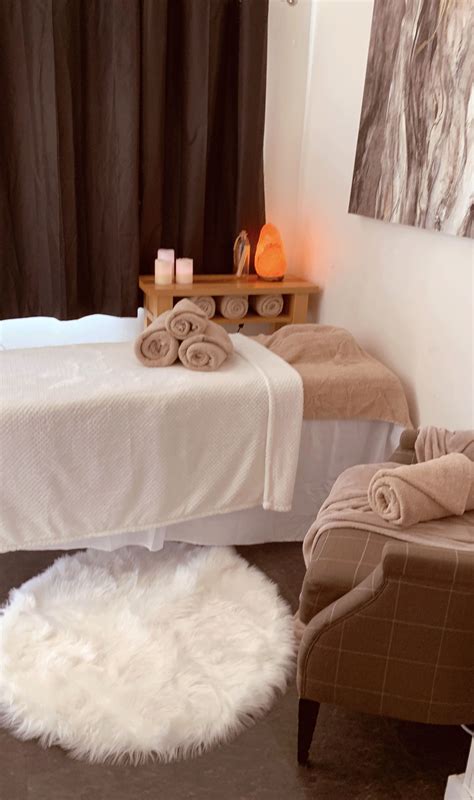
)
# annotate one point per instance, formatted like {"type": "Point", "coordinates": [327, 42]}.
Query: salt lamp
{"type": "Point", "coordinates": [270, 259]}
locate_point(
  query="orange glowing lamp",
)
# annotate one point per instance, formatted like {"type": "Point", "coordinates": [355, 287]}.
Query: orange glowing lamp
{"type": "Point", "coordinates": [270, 259]}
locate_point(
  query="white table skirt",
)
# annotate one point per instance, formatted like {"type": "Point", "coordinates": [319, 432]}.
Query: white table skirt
{"type": "Point", "coordinates": [327, 448]}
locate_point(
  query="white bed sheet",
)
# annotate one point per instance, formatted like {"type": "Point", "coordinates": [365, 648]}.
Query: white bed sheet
{"type": "Point", "coordinates": [327, 448]}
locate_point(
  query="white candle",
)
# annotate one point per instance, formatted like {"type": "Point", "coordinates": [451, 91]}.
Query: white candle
{"type": "Point", "coordinates": [165, 255]}
{"type": "Point", "coordinates": [184, 270]}
{"type": "Point", "coordinates": [163, 271]}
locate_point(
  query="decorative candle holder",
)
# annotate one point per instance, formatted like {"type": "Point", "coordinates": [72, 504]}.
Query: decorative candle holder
{"type": "Point", "coordinates": [184, 270]}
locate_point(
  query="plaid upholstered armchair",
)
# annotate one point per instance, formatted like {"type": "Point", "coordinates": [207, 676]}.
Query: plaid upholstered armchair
{"type": "Point", "coordinates": [389, 629]}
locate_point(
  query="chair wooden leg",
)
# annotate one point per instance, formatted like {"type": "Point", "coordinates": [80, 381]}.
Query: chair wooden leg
{"type": "Point", "coordinates": [307, 715]}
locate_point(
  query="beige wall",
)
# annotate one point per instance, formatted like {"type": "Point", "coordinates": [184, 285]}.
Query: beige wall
{"type": "Point", "coordinates": [406, 294]}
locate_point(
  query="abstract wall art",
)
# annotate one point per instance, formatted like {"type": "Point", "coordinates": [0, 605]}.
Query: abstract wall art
{"type": "Point", "coordinates": [415, 152]}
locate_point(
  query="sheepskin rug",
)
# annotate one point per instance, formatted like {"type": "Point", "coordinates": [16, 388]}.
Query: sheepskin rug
{"type": "Point", "coordinates": [132, 654]}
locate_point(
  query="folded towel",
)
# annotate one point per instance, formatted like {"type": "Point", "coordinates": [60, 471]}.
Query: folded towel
{"type": "Point", "coordinates": [233, 306]}
{"type": "Point", "coordinates": [434, 442]}
{"type": "Point", "coordinates": [156, 347]}
{"type": "Point", "coordinates": [206, 351]}
{"type": "Point", "coordinates": [267, 305]}
{"type": "Point", "coordinates": [186, 319]}
{"type": "Point", "coordinates": [206, 303]}
{"type": "Point", "coordinates": [421, 492]}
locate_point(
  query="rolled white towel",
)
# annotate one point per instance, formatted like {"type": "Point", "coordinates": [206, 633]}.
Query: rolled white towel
{"type": "Point", "coordinates": [206, 303]}
{"type": "Point", "coordinates": [267, 305]}
{"type": "Point", "coordinates": [233, 306]}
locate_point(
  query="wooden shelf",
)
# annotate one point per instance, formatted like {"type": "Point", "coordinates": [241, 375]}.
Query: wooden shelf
{"type": "Point", "coordinates": [295, 291]}
{"type": "Point", "coordinates": [218, 285]}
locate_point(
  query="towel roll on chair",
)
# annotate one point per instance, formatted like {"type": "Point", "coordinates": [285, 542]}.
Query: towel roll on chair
{"type": "Point", "coordinates": [267, 305]}
{"type": "Point", "coordinates": [233, 306]}
{"type": "Point", "coordinates": [430, 490]}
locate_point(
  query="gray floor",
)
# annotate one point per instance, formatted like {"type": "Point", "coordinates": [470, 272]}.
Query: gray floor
{"type": "Point", "coordinates": [355, 757]}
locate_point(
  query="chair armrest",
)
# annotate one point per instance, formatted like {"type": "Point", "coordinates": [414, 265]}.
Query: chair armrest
{"type": "Point", "coordinates": [405, 452]}
{"type": "Point", "coordinates": [435, 566]}
{"type": "Point", "coordinates": [401, 643]}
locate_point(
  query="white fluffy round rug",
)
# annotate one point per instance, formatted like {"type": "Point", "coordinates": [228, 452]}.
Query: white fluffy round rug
{"type": "Point", "coordinates": [133, 654]}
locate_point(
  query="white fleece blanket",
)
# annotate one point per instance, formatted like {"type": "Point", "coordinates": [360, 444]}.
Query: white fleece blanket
{"type": "Point", "coordinates": [93, 443]}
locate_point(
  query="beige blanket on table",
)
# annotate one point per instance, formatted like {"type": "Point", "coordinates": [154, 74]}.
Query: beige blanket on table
{"type": "Point", "coordinates": [340, 380]}
{"type": "Point", "coordinates": [348, 507]}
{"type": "Point", "coordinates": [419, 492]}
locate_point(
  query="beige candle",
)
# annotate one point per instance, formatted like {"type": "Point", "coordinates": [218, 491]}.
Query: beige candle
{"type": "Point", "coordinates": [163, 272]}
{"type": "Point", "coordinates": [184, 270]}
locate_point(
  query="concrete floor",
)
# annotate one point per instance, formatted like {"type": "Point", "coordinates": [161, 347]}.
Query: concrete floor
{"type": "Point", "coordinates": [355, 757]}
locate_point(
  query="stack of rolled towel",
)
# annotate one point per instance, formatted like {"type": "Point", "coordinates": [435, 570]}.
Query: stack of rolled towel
{"type": "Point", "coordinates": [437, 487]}
{"type": "Point", "coordinates": [184, 332]}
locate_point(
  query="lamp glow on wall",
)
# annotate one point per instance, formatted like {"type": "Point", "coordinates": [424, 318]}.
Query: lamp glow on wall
{"type": "Point", "coordinates": [270, 258]}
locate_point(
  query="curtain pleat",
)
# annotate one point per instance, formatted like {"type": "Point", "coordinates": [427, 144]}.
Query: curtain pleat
{"type": "Point", "coordinates": [125, 126]}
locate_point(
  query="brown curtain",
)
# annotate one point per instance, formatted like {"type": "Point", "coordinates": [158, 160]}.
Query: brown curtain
{"type": "Point", "coordinates": [126, 125]}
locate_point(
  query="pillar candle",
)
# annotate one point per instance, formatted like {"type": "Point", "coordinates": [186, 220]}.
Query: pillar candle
{"type": "Point", "coordinates": [165, 255]}
{"type": "Point", "coordinates": [184, 270]}
{"type": "Point", "coordinates": [163, 271]}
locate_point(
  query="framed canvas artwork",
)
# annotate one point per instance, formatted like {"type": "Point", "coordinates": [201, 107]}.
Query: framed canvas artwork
{"type": "Point", "coordinates": [415, 152]}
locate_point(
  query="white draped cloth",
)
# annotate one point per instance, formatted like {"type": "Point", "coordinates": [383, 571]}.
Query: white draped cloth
{"type": "Point", "coordinates": [94, 444]}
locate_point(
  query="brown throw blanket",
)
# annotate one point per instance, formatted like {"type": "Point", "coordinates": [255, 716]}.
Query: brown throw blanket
{"type": "Point", "coordinates": [421, 492]}
{"type": "Point", "coordinates": [340, 380]}
{"type": "Point", "coordinates": [434, 442]}
{"type": "Point", "coordinates": [348, 507]}
{"type": "Point", "coordinates": [206, 351]}
{"type": "Point", "coordinates": [186, 319]}
{"type": "Point", "coordinates": [156, 347]}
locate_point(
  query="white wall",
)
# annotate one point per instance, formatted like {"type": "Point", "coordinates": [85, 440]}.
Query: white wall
{"type": "Point", "coordinates": [406, 294]}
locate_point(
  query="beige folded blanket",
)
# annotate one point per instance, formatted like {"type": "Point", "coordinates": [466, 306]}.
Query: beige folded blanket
{"type": "Point", "coordinates": [206, 351]}
{"type": "Point", "coordinates": [434, 442]}
{"type": "Point", "coordinates": [420, 492]}
{"type": "Point", "coordinates": [340, 380]}
{"type": "Point", "coordinates": [267, 305]}
{"type": "Point", "coordinates": [206, 303]}
{"type": "Point", "coordinates": [233, 306]}
{"type": "Point", "coordinates": [347, 506]}
{"type": "Point", "coordinates": [186, 319]}
{"type": "Point", "coordinates": [156, 347]}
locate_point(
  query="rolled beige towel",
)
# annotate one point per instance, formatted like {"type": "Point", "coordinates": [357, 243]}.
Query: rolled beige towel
{"type": "Point", "coordinates": [421, 492]}
{"type": "Point", "coordinates": [206, 351]}
{"type": "Point", "coordinates": [186, 319]}
{"type": "Point", "coordinates": [156, 347]}
{"type": "Point", "coordinates": [206, 303]}
{"type": "Point", "coordinates": [233, 306]}
{"type": "Point", "coordinates": [267, 305]}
